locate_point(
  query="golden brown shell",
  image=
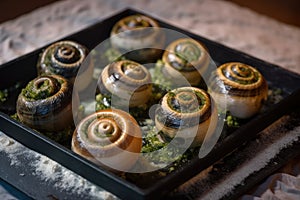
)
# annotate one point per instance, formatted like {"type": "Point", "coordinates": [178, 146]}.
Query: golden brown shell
{"type": "Point", "coordinates": [187, 113]}
{"type": "Point", "coordinates": [239, 88]}
{"type": "Point", "coordinates": [129, 81]}
{"type": "Point", "coordinates": [65, 58]}
{"type": "Point", "coordinates": [109, 138]}
{"type": "Point", "coordinates": [185, 57]}
{"type": "Point", "coordinates": [45, 103]}
{"type": "Point", "coordinates": [141, 34]}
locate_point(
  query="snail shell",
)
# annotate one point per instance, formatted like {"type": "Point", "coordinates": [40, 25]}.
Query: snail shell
{"type": "Point", "coordinates": [128, 80]}
{"type": "Point", "coordinates": [45, 103]}
{"type": "Point", "coordinates": [109, 138]}
{"type": "Point", "coordinates": [245, 87]}
{"type": "Point", "coordinates": [185, 57]}
{"type": "Point", "coordinates": [187, 113]}
{"type": "Point", "coordinates": [65, 58]}
{"type": "Point", "coordinates": [139, 33]}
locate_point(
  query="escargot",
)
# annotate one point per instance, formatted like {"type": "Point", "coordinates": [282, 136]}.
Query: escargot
{"type": "Point", "coordinates": [65, 58]}
{"type": "Point", "coordinates": [239, 88]}
{"type": "Point", "coordinates": [46, 103]}
{"type": "Point", "coordinates": [127, 80]}
{"type": "Point", "coordinates": [185, 57]}
{"type": "Point", "coordinates": [109, 138]}
{"type": "Point", "coordinates": [139, 34]}
{"type": "Point", "coordinates": [187, 113]}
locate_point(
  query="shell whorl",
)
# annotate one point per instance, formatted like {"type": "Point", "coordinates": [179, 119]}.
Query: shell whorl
{"type": "Point", "coordinates": [128, 80]}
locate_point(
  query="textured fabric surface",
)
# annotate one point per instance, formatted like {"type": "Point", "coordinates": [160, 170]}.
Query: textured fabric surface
{"type": "Point", "coordinates": [221, 21]}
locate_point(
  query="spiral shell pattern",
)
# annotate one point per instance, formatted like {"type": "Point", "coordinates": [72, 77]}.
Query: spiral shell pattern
{"type": "Point", "coordinates": [65, 58]}
{"type": "Point", "coordinates": [187, 110]}
{"type": "Point", "coordinates": [128, 80]}
{"type": "Point", "coordinates": [45, 103]}
{"type": "Point", "coordinates": [109, 138]}
{"type": "Point", "coordinates": [245, 86]}
{"type": "Point", "coordinates": [141, 34]}
{"type": "Point", "coordinates": [186, 57]}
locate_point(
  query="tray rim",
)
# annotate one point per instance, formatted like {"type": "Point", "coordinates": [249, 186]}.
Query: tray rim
{"type": "Point", "coordinates": [140, 192]}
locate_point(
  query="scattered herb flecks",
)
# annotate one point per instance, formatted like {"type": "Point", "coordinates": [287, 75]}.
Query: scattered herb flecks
{"type": "Point", "coordinates": [232, 121]}
{"type": "Point", "coordinates": [3, 95]}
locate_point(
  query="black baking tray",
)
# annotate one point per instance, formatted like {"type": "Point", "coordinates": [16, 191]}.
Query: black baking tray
{"type": "Point", "coordinates": [23, 69]}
